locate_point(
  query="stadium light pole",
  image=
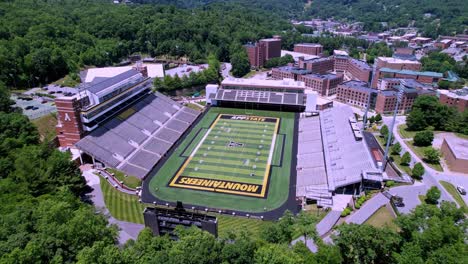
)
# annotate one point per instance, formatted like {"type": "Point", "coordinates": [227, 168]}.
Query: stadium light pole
{"type": "Point", "coordinates": [400, 93]}
{"type": "Point", "coordinates": [370, 96]}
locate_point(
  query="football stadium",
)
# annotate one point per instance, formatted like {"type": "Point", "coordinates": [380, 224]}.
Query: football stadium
{"type": "Point", "coordinates": [232, 159]}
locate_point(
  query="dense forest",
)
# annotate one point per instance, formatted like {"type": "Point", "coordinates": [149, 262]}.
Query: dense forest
{"type": "Point", "coordinates": [41, 41]}
{"type": "Point", "coordinates": [433, 17]}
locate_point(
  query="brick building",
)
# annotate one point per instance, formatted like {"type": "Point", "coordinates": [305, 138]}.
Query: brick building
{"type": "Point", "coordinates": [387, 99]}
{"type": "Point", "coordinates": [81, 113]}
{"type": "Point", "coordinates": [318, 65]}
{"type": "Point", "coordinates": [309, 48]}
{"type": "Point", "coordinates": [457, 98]}
{"type": "Point", "coordinates": [356, 93]}
{"type": "Point", "coordinates": [394, 64]}
{"type": "Point", "coordinates": [263, 50]}
{"type": "Point", "coordinates": [422, 77]}
{"type": "Point", "coordinates": [455, 152]}
{"type": "Point", "coordinates": [354, 69]}
{"type": "Point", "coordinates": [324, 85]}
{"type": "Point", "coordinates": [288, 72]}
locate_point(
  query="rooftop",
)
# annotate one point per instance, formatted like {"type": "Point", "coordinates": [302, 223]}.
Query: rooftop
{"type": "Point", "coordinates": [340, 52]}
{"type": "Point", "coordinates": [293, 69]}
{"type": "Point", "coordinates": [358, 85]}
{"type": "Point", "coordinates": [458, 146]}
{"type": "Point", "coordinates": [460, 93]}
{"type": "Point", "coordinates": [397, 60]}
{"type": "Point", "coordinates": [100, 86]}
{"type": "Point", "coordinates": [285, 83]}
{"type": "Point", "coordinates": [296, 55]}
{"type": "Point", "coordinates": [361, 64]}
{"type": "Point", "coordinates": [328, 76]}
{"type": "Point", "coordinates": [316, 45]}
{"type": "Point", "coordinates": [410, 72]}
{"type": "Point", "coordinates": [270, 39]}
{"type": "Point", "coordinates": [154, 70]}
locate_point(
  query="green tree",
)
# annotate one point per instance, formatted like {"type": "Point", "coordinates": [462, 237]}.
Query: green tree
{"type": "Point", "coordinates": [366, 244]}
{"type": "Point", "coordinates": [396, 149]}
{"type": "Point", "coordinates": [432, 155]}
{"type": "Point", "coordinates": [240, 64]}
{"type": "Point", "coordinates": [416, 120]}
{"type": "Point", "coordinates": [406, 158]}
{"type": "Point", "coordinates": [306, 225]}
{"type": "Point", "coordinates": [418, 171]}
{"type": "Point", "coordinates": [5, 101]}
{"type": "Point", "coordinates": [423, 138]}
{"type": "Point", "coordinates": [378, 118]}
{"type": "Point", "coordinates": [433, 195]}
{"type": "Point", "coordinates": [276, 254]}
{"type": "Point", "coordinates": [384, 131]}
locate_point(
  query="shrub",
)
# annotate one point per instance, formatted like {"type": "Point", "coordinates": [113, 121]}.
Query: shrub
{"type": "Point", "coordinates": [433, 195]}
{"type": "Point", "coordinates": [390, 184]}
{"type": "Point", "coordinates": [418, 171]}
{"type": "Point", "coordinates": [423, 138]}
{"type": "Point", "coordinates": [432, 155]}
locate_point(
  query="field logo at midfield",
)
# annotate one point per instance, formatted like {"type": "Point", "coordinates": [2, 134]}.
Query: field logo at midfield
{"type": "Point", "coordinates": [237, 186]}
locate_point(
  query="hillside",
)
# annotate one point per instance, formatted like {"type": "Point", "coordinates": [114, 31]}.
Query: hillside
{"type": "Point", "coordinates": [433, 17]}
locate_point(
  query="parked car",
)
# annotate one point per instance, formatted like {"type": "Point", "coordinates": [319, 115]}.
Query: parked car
{"type": "Point", "coordinates": [461, 190]}
{"type": "Point", "coordinates": [35, 108]}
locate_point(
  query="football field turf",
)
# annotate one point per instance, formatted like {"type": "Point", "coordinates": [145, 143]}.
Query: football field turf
{"type": "Point", "coordinates": [232, 159]}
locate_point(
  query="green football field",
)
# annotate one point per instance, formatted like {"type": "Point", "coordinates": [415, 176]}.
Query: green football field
{"type": "Point", "coordinates": [234, 156]}
{"type": "Point", "coordinates": [228, 162]}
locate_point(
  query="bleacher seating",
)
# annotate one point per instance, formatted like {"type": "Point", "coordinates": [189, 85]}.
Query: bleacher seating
{"type": "Point", "coordinates": [134, 143]}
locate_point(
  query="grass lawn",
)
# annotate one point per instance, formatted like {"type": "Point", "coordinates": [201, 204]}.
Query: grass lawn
{"type": "Point", "coordinates": [278, 187]}
{"type": "Point", "coordinates": [193, 106]}
{"type": "Point", "coordinates": [126, 207]}
{"type": "Point", "coordinates": [461, 135]}
{"type": "Point", "coordinates": [129, 181]}
{"type": "Point", "coordinates": [405, 133]}
{"type": "Point", "coordinates": [46, 126]}
{"type": "Point", "coordinates": [228, 224]}
{"type": "Point", "coordinates": [122, 206]}
{"type": "Point", "coordinates": [250, 74]}
{"type": "Point", "coordinates": [67, 81]}
{"type": "Point", "coordinates": [455, 194]}
{"type": "Point", "coordinates": [422, 198]}
{"type": "Point", "coordinates": [396, 158]}
{"type": "Point", "coordinates": [420, 152]}
{"type": "Point", "coordinates": [382, 217]}
{"type": "Point", "coordinates": [202, 103]}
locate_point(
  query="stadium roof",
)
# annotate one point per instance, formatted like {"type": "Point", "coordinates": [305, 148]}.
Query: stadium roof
{"type": "Point", "coordinates": [285, 83]}
{"type": "Point", "coordinates": [410, 72]}
{"type": "Point", "coordinates": [98, 87]}
{"type": "Point", "coordinates": [155, 70]}
{"type": "Point", "coordinates": [265, 97]}
{"type": "Point", "coordinates": [135, 140]}
{"type": "Point", "coordinates": [345, 158]}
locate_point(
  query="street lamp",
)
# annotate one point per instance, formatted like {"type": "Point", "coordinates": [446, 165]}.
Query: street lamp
{"type": "Point", "coordinates": [401, 90]}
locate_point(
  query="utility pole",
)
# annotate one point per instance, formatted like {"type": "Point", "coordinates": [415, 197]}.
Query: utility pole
{"type": "Point", "coordinates": [401, 90]}
{"type": "Point", "coordinates": [374, 68]}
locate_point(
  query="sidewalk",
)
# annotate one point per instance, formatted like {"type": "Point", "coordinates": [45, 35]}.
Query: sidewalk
{"type": "Point", "coordinates": [368, 209]}
{"type": "Point", "coordinates": [127, 230]}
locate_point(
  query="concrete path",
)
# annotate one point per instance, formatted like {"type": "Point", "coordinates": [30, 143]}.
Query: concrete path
{"type": "Point", "coordinates": [430, 178]}
{"type": "Point", "coordinates": [127, 230]}
{"type": "Point", "coordinates": [116, 184]}
{"type": "Point", "coordinates": [368, 209]}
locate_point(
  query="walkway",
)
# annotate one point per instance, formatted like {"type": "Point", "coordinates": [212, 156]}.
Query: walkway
{"type": "Point", "coordinates": [430, 178]}
{"type": "Point", "coordinates": [368, 209]}
{"type": "Point", "coordinates": [127, 230]}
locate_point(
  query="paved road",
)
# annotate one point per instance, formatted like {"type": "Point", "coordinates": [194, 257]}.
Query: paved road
{"type": "Point", "coordinates": [430, 178]}
{"type": "Point", "coordinates": [127, 230]}
{"type": "Point", "coordinates": [368, 209]}
{"type": "Point", "coordinates": [226, 72]}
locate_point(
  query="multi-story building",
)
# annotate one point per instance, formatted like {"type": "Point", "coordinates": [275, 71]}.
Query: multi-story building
{"type": "Point", "coordinates": [422, 77]}
{"type": "Point", "coordinates": [356, 93]}
{"type": "Point", "coordinates": [263, 50]}
{"type": "Point", "coordinates": [288, 72]}
{"type": "Point", "coordinates": [387, 99]}
{"type": "Point", "coordinates": [382, 101]}
{"type": "Point", "coordinates": [457, 98]}
{"type": "Point", "coordinates": [309, 48]}
{"type": "Point", "coordinates": [318, 65]}
{"type": "Point", "coordinates": [84, 111]}
{"type": "Point", "coordinates": [389, 83]}
{"type": "Point", "coordinates": [324, 85]}
{"type": "Point", "coordinates": [354, 69]}
{"type": "Point", "coordinates": [393, 64]}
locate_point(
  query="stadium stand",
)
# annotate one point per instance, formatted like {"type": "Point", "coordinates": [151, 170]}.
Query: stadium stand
{"type": "Point", "coordinates": [135, 141]}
